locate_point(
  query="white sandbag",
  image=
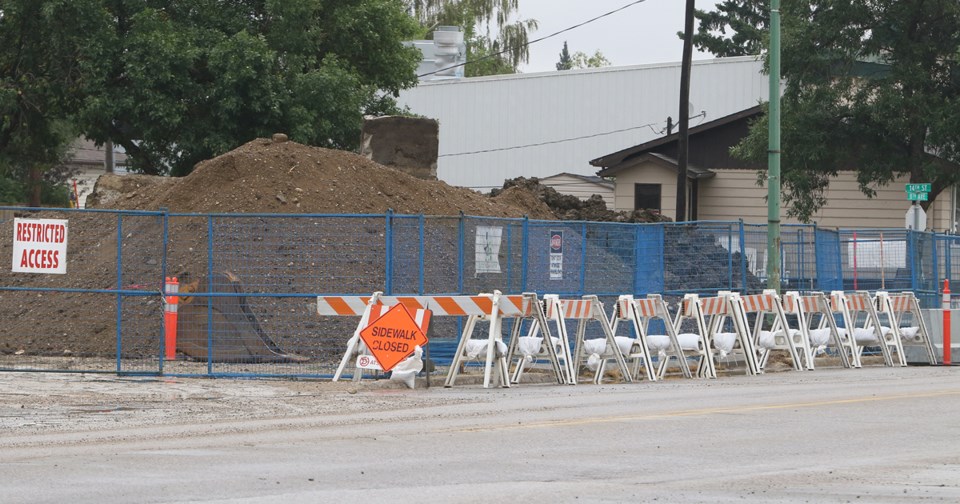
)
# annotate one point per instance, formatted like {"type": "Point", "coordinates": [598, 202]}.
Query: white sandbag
{"type": "Point", "coordinates": [724, 342]}
{"type": "Point", "coordinates": [819, 337]}
{"type": "Point", "coordinates": [911, 335]}
{"type": "Point", "coordinates": [406, 370]}
{"type": "Point", "coordinates": [478, 347]}
{"type": "Point", "coordinates": [689, 341]}
{"type": "Point", "coordinates": [599, 346]}
{"type": "Point", "coordinates": [660, 343]}
{"type": "Point", "coordinates": [533, 345]}
{"type": "Point", "coordinates": [866, 336]}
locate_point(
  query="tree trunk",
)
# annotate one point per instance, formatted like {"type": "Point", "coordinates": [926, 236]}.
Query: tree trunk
{"type": "Point", "coordinates": [34, 186]}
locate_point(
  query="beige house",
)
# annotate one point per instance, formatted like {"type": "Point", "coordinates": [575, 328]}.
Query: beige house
{"type": "Point", "coordinates": [581, 186]}
{"type": "Point", "coordinates": [723, 188]}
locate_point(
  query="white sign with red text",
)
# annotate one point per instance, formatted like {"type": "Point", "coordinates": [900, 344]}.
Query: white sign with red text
{"type": "Point", "coordinates": [40, 246]}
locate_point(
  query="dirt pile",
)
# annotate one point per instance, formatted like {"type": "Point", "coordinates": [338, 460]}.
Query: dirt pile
{"type": "Point", "coordinates": [264, 176]}
{"type": "Point", "coordinates": [568, 207]}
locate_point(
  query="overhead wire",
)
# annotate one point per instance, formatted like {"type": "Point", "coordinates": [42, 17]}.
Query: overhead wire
{"type": "Point", "coordinates": [571, 139]}
{"type": "Point", "coordinates": [534, 41]}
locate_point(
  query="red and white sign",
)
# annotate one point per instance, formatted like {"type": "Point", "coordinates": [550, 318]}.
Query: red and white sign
{"type": "Point", "coordinates": [40, 246]}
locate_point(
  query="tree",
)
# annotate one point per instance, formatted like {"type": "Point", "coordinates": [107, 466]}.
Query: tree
{"type": "Point", "coordinates": [736, 28]}
{"type": "Point", "coordinates": [508, 47]}
{"type": "Point", "coordinates": [870, 86]}
{"type": "Point", "coordinates": [566, 62]}
{"type": "Point", "coordinates": [187, 80]}
{"type": "Point", "coordinates": [42, 66]}
{"type": "Point", "coordinates": [580, 60]}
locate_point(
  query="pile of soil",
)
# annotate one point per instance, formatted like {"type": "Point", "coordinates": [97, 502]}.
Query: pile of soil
{"type": "Point", "coordinates": [262, 176]}
{"type": "Point", "coordinates": [569, 207]}
{"type": "Point", "coordinates": [266, 176]}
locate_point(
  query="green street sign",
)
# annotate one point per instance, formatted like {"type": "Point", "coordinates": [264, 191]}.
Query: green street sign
{"type": "Point", "coordinates": [917, 196]}
{"type": "Point", "coordinates": [916, 188]}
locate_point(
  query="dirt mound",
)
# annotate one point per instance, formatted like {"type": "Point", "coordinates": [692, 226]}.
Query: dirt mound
{"type": "Point", "coordinates": [566, 206]}
{"type": "Point", "coordinates": [263, 176]}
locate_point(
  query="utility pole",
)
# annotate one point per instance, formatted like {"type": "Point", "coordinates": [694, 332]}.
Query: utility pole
{"type": "Point", "coordinates": [683, 144]}
{"type": "Point", "coordinates": [773, 154]}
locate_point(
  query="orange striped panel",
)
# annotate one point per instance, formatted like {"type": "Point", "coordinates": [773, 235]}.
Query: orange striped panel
{"type": "Point", "coordinates": [713, 306]}
{"type": "Point", "coordinates": [857, 302]}
{"type": "Point", "coordinates": [811, 304]}
{"type": "Point", "coordinates": [646, 307]}
{"type": "Point", "coordinates": [900, 303]}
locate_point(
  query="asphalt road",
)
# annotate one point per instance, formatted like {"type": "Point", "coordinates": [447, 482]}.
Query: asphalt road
{"type": "Point", "coordinates": [832, 435]}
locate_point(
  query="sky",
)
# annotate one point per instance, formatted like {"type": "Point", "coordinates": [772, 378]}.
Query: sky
{"type": "Point", "coordinates": [640, 34]}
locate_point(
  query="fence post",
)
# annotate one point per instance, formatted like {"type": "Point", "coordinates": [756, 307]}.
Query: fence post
{"type": "Point", "coordinates": [743, 257]}
{"type": "Point", "coordinates": [460, 245]}
{"type": "Point", "coordinates": [163, 274]}
{"type": "Point", "coordinates": [422, 223]}
{"type": "Point", "coordinates": [388, 245]}
{"type": "Point", "coordinates": [583, 258]}
{"type": "Point", "coordinates": [729, 257]}
{"type": "Point", "coordinates": [509, 227]}
{"type": "Point", "coordinates": [119, 287]}
{"type": "Point", "coordinates": [209, 294]}
{"type": "Point", "coordinates": [524, 253]}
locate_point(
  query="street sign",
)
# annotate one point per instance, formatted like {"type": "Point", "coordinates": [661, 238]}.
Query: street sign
{"type": "Point", "coordinates": [913, 188]}
{"type": "Point", "coordinates": [917, 196]}
{"type": "Point", "coordinates": [916, 218]}
{"type": "Point", "coordinates": [392, 337]}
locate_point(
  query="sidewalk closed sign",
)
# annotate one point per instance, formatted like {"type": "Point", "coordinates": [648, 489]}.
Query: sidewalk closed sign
{"type": "Point", "coordinates": [392, 337]}
{"type": "Point", "coordinates": [40, 246]}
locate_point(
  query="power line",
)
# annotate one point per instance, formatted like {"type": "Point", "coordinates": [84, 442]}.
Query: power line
{"type": "Point", "coordinates": [534, 41]}
{"type": "Point", "coordinates": [571, 139]}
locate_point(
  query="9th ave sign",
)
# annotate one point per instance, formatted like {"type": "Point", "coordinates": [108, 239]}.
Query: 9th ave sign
{"type": "Point", "coordinates": [917, 192]}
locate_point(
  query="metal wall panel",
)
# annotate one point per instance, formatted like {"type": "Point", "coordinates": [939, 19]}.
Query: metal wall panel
{"type": "Point", "coordinates": [541, 124]}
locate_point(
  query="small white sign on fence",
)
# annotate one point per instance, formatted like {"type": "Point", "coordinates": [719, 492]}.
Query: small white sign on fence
{"type": "Point", "coordinates": [488, 243]}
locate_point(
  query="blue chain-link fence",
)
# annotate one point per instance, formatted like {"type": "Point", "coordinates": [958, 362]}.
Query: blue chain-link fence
{"type": "Point", "coordinates": [249, 282]}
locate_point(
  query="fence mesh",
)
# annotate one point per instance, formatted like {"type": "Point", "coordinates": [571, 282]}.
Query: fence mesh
{"type": "Point", "coordinates": [249, 282]}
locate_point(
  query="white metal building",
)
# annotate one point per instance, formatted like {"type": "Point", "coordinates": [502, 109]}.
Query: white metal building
{"type": "Point", "coordinates": [542, 124]}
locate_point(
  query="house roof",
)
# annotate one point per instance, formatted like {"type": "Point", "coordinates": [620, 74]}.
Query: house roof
{"type": "Point", "coordinates": [591, 179]}
{"type": "Point", "coordinates": [693, 172]}
{"type": "Point", "coordinates": [611, 161]}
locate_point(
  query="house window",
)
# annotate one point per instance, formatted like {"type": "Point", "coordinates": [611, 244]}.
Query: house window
{"type": "Point", "coordinates": [646, 196]}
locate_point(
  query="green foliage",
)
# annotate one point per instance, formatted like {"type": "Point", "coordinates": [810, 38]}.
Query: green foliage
{"type": "Point", "coordinates": [475, 17]}
{"type": "Point", "coordinates": [840, 113]}
{"type": "Point", "coordinates": [195, 78]}
{"type": "Point", "coordinates": [581, 60]}
{"type": "Point", "coordinates": [735, 28]}
{"type": "Point", "coordinates": [566, 62]}
{"type": "Point", "coordinates": [42, 63]}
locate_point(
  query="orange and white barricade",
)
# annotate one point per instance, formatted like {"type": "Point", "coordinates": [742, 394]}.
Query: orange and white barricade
{"type": "Point", "coordinates": [491, 308]}
{"type": "Point", "coordinates": [369, 308]}
{"type": "Point", "coordinates": [906, 323]}
{"type": "Point", "coordinates": [692, 310]}
{"type": "Point", "coordinates": [816, 319]}
{"type": "Point", "coordinates": [594, 352]}
{"type": "Point", "coordinates": [861, 322]}
{"type": "Point", "coordinates": [487, 307]}
{"type": "Point", "coordinates": [639, 313]}
{"type": "Point", "coordinates": [537, 345]}
{"type": "Point", "coordinates": [714, 315]}
{"type": "Point", "coordinates": [772, 332]}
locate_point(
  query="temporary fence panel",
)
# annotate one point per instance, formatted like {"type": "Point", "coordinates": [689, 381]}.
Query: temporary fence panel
{"type": "Point", "coordinates": [704, 257]}
{"type": "Point", "coordinates": [829, 260]}
{"type": "Point", "coordinates": [103, 312]}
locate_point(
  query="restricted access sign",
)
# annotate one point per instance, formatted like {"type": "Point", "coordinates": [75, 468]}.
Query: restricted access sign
{"type": "Point", "coordinates": [39, 246]}
{"type": "Point", "coordinates": [392, 337]}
